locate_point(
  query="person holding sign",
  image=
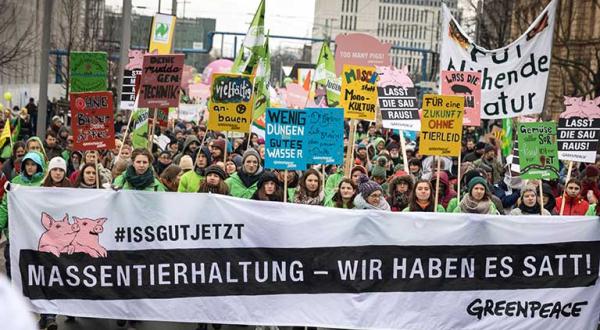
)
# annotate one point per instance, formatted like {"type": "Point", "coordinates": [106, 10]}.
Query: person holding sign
{"type": "Point", "coordinates": [139, 175]}
{"type": "Point", "coordinates": [344, 196]}
{"type": "Point", "coordinates": [370, 196]}
{"type": "Point", "coordinates": [243, 183]}
{"type": "Point", "coordinates": [478, 199]}
{"type": "Point", "coordinates": [421, 199]}
{"type": "Point", "coordinates": [574, 203]}
{"type": "Point", "coordinates": [528, 203]}
{"type": "Point", "coordinates": [310, 190]}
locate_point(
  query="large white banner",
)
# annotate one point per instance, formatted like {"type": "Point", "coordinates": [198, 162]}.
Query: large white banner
{"type": "Point", "coordinates": [514, 77]}
{"type": "Point", "coordinates": [218, 259]}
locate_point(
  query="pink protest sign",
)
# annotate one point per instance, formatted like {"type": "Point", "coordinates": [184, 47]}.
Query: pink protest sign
{"type": "Point", "coordinates": [467, 84]}
{"type": "Point", "coordinates": [161, 81]}
{"type": "Point", "coordinates": [360, 49]}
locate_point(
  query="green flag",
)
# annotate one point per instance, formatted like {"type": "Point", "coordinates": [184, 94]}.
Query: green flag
{"type": "Point", "coordinates": [139, 129]}
{"type": "Point", "coordinates": [261, 82]}
{"type": "Point", "coordinates": [249, 55]}
{"type": "Point", "coordinates": [325, 75]}
{"type": "Point", "coordinates": [507, 137]}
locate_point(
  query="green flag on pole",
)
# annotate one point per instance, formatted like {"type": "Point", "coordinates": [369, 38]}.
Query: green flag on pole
{"type": "Point", "coordinates": [139, 129]}
{"type": "Point", "coordinates": [261, 82]}
{"type": "Point", "coordinates": [507, 137]}
{"type": "Point", "coordinates": [325, 74]}
{"type": "Point", "coordinates": [249, 54]}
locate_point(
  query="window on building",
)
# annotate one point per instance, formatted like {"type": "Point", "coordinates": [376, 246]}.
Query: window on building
{"type": "Point", "coordinates": [356, 6]}
{"type": "Point", "coordinates": [354, 26]}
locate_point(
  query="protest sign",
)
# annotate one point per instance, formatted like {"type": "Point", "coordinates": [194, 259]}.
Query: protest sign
{"type": "Point", "coordinates": [230, 105]}
{"type": "Point", "coordinates": [284, 139]}
{"type": "Point", "coordinates": [161, 81]}
{"type": "Point", "coordinates": [288, 264]}
{"type": "Point", "coordinates": [441, 125]}
{"type": "Point", "coordinates": [538, 154]}
{"type": "Point", "coordinates": [93, 121]}
{"type": "Point", "coordinates": [465, 83]}
{"type": "Point", "coordinates": [187, 112]}
{"type": "Point", "coordinates": [513, 78]}
{"type": "Point", "coordinates": [359, 93]}
{"type": "Point", "coordinates": [163, 117]}
{"type": "Point", "coordinates": [360, 49]}
{"type": "Point", "coordinates": [139, 132]}
{"type": "Point", "coordinates": [132, 70]}
{"type": "Point", "coordinates": [88, 71]}
{"type": "Point", "coordinates": [324, 142]}
{"type": "Point", "coordinates": [161, 36]}
{"type": "Point", "coordinates": [578, 130]}
{"type": "Point", "coordinates": [399, 109]}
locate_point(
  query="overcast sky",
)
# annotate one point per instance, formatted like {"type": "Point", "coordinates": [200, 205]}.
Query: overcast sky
{"type": "Point", "coordinates": [282, 17]}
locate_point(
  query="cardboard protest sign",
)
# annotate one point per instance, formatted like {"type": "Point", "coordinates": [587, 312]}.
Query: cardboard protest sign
{"type": "Point", "coordinates": [187, 112]}
{"type": "Point", "coordinates": [132, 70]}
{"type": "Point", "coordinates": [93, 121]}
{"type": "Point", "coordinates": [284, 140]}
{"type": "Point", "coordinates": [360, 49]}
{"type": "Point", "coordinates": [88, 71]}
{"type": "Point", "coordinates": [441, 125]}
{"type": "Point", "coordinates": [230, 105]}
{"type": "Point", "coordinates": [399, 109]}
{"type": "Point", "coordinates": [514, 78]}
{"type": "Point", "coordinates": [161, 81]}
{"type": "Point", "coordinates": [324, 142]}
{"type": "Point", "coordinates": [579, 130]}
{"type": "Point", "coordinates": [538, 153]}
{"type": "Point", "coordinates": [359, 93]}
{"type": "Point", "coordinates": [163, 117]}
{"type": "Point", "coordinates": [161, 36]}
{"type": "Point", "coordinates": [465, 83]}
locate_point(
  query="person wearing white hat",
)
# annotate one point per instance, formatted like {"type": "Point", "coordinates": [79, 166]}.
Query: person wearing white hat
{"type": "Point", "coordinates": [57, 174]}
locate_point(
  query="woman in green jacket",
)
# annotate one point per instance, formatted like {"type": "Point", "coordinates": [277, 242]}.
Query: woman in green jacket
{"type": "Point", "coordinates": [191, 180]}
{"type": "Point", "coordinates": [478, 200]}
{"type": "Point", "coordinates": [344, 196]}
{"type": "Point", "coordinates": [139, 175]}
{"type": "Point", "coordinates": [243, 183]}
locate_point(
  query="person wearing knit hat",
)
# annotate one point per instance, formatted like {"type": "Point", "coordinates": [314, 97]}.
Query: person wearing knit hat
{"type": "Point", "coordinates": [356, 172]}
{"type": "Point", "coordinates": [56, 176]}
{"type": "Point", "coordinates": [191, 180]}
{"type": "Point", "coordinates": [217, 150]}
{"type": "Point", "coordinates": [269, 188]}
{"type": "Point", "coordinates": [186, 163]}
{"type": "Point", "coordinates": [478, 200]}
{"type": "Point", "coordinates": [243, 183]}
{"type": "Point", "coordinates": [378, 172]}
{"type": "Point", "coordinates": [529, 203]}
{"type": "Point", "coordinates": [214, 181]}
{"type": "Point", "coordinates": [370, 195]}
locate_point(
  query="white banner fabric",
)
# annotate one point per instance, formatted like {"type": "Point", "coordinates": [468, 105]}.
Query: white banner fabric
{"type": "Point", "coordinates": [218, 259]}
{"type": "Point", "coordinates": [514, 77]}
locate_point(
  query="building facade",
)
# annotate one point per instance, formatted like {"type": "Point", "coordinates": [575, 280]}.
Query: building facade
{"type": "Point", "coordinates": [412, 24]}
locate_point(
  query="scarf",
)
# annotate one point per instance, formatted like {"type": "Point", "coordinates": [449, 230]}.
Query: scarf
{"type": "Point", "coordinates": [469, 205]}
{"type": "Point", "coordinates": [400, 202]}
{"type": "Point", "coordinates": [139, 182]}
{"type": "Point", "coordinates": [250, 179]}
{"type": "Point", "coordinates": [425, 206]}
{"type": "Point", "coordinates": [304, 199]}
{"type": "Point", "coordinates": [86, 186]}
{"type": "Point", "coordinates": [535, 209]}
{"type": "Point", "coordinates": [199, 170]}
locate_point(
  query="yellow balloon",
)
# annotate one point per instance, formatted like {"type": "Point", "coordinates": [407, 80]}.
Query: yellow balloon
{"type": "Point", "coordinates": [197, 79]}
{"type": "Point", "coordinates": [8, 96]}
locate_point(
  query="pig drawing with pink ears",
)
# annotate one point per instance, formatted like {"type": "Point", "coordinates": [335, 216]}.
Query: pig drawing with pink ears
{"type": "Point", "coordinates": [59, 235]}
{"type": "Point", "coordinates": [87, 239]}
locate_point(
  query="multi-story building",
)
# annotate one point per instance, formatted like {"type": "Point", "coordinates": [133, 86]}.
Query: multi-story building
{"type": "Point", "coordinates": [405, 23]}
{"type": "Point", "coordinates": [575, 65]}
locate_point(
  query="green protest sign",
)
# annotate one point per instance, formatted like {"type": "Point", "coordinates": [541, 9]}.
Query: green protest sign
{"type": "Point", "coordinates": [538, 151]}
{"type": "Point", "coordinates": [88, 71]}
{"type": "Point", "coordinates": [139, 133]}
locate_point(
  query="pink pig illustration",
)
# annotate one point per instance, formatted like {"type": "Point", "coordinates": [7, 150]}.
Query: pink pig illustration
{"type": "Point", "coordinates": [87, 240]}
{"type": "Point", "coordinates": [390, 76]}
{"type": "Point", "coordinates": [578, 107]}
{"type": "Point", "coordinates": [59, 235]}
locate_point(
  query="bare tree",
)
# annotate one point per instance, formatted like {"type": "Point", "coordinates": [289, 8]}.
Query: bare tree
{"type": "Point", "coordinates": [17, 40]}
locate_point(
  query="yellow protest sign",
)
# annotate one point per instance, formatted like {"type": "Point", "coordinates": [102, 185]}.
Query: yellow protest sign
{"type": "Point", "coordinates": [359, 93]}
{"type": "Point", "coordinates": [441, 125]}
{"type": "Point", "coordinates": [161, 37]}
{"type": "Point", "coordinates": [230, 103]}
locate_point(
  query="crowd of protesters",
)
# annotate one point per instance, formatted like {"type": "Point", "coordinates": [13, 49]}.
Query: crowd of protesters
{"type": "Point", "coordinates": [200, 161]}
